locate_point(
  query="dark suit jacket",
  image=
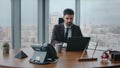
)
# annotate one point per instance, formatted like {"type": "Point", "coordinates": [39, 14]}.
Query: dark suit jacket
{"type": "Point", "coordinates": [58, 33]}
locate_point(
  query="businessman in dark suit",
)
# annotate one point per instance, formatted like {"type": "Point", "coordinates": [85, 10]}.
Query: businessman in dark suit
{"type": "Point", "coordinates": [61, 32]}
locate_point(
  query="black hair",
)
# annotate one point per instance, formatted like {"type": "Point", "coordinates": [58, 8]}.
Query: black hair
{"type": "Point", "coordinates": [68, 11]}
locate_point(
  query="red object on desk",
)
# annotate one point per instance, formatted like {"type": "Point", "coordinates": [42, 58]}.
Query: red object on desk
{"type": "Point", "coordinates": [105, 56]}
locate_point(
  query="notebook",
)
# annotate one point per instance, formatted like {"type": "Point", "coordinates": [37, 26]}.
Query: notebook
{"type": "Point", "coordinates": [77, 43]}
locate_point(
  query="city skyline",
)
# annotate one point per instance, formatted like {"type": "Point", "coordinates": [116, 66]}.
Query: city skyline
{"type": "Point", "coordinates": [108, 37]}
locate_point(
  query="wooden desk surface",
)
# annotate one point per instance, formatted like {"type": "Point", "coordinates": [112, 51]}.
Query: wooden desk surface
{"type": "Point", "coordinates": [66, 60]}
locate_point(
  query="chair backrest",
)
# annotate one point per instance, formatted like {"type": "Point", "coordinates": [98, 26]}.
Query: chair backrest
{"type": "Point", "coordinates": [60, 20]}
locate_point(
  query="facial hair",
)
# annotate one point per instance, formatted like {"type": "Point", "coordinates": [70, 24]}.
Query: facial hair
{"type": "Point", "coordinates": [69, 23]}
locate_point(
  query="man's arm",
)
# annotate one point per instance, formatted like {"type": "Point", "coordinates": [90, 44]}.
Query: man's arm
{"type": "Point", "coordinates": [76, 31]}
{"type": "Point", "coordinates": [54, 36]}
{"type": "Point", "coordinates": [80, 33]}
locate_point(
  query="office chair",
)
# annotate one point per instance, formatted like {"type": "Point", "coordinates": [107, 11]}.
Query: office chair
{"type": "Point", "coordinates": [60, 20]}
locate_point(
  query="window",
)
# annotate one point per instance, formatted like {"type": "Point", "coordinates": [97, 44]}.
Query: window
{"type": "Point", "coordinates": [100, 19]}
{"type": "Point", "coordinates": [29, 22]}
{"type": "Point", "coordinates": [56, 11]}
{"type": "Point", "coordinates": [5, 21]}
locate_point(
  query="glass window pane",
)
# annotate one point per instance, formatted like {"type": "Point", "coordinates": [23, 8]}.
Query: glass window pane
{"type": "Point", "coordinates": [100, 19]}
{"type": "Point", "coordinates": [5, 22]}
{"type": "Point", "coordinates": [56, 11]}
{"type": "Point", "coordinates": [29, 22]}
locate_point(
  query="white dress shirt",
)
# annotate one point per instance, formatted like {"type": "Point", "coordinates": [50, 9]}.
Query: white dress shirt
{"type": "Point", "coordinates": [69, 31]}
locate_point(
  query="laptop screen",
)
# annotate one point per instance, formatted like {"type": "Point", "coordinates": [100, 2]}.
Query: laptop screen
{"type": "Point", "coordinates": [77, 43]}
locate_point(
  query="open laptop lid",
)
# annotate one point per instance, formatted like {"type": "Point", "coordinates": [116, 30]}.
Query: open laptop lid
{"type": "Point", "coordinates": [77, 43]}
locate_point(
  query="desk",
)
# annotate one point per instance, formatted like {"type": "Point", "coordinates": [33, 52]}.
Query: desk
{"type": "Point", "coordinates": [66, 60]}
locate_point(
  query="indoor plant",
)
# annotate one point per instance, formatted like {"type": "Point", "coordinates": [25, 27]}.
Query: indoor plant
{"type": "Point", "coordinates": [5, 47]}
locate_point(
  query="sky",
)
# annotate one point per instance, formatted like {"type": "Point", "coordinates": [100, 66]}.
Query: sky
{"type": "Point", "coordinates": [92, 11]}
{"type": "Point", "coordinates": [100, 11]}
{"type": "Point", "coordinates": [5, 12]}
{"type": "Point", "coordinates": [60, 5]}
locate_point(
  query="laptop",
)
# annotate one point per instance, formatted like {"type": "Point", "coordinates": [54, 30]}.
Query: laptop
{"type": "Point", "coordinates": [77, 43]}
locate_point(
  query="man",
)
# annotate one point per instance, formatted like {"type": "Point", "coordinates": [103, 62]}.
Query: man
{"type": "Point", "coordinates": [63, 31]}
